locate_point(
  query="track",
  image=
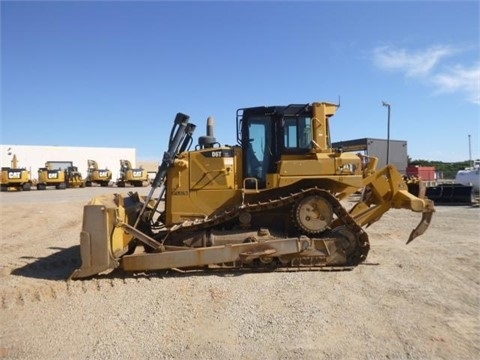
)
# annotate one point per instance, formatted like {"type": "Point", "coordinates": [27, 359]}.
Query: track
{"type": "Point", "coordinates": [277, 204]}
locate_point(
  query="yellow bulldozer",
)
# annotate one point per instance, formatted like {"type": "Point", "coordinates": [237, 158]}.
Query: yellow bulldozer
{"type": "Point", "coordinates": [132, 176]}
{"type": "Point", "coordinates": [275, 201]}
{"type": "Point", "coordinates": [15, 178]}
{"type": "Point", "coordinates": [61, 174]}
{"type": "Point", "coordinates": [96, 175]}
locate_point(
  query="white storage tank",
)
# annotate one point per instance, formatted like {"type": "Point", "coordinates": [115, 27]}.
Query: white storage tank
{"type": "Point", "coordinates": [470, 176]}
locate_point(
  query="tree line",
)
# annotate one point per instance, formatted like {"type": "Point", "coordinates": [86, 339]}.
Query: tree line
{"type": "Point", "coordinates": [448, 170]}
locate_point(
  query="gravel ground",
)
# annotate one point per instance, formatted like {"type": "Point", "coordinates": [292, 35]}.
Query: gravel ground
{"type": "Point", "coordinates": [419, 301]}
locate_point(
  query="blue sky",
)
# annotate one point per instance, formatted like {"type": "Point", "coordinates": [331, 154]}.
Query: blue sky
{"type": "Point", "coordinates": [115, 73]}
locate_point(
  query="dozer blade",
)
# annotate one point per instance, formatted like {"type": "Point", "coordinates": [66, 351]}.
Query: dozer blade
{"type": "Point", "coordinates": [101, 241]}
{"type": "Point", "coordinates": [451, 194]}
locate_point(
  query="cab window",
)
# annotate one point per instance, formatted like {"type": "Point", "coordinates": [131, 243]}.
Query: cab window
{"type": "Point", "coordinates": [258, 149]}
{"type": "Point", "coordinates": [297, 133]}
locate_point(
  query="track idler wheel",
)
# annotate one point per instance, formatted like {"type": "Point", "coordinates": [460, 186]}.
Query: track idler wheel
{"type": "Point", "coordinates": [349, 242]}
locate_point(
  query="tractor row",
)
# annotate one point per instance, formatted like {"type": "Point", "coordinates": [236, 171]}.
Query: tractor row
{"type": "Point", "coordinates": [63, 174]}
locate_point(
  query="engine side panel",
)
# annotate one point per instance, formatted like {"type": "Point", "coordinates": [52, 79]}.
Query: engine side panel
{"type": "Point", "coordinates": [202, 183]}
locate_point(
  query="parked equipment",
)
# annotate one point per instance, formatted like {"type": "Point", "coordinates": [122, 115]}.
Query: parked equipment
{"type": "Point", "coordinates": [15, 178]}
{"type": "Point", "coordinates": [61, 174]}
{"type": "Point", "coordinates": [451, 194]}
{"type": "Point", "coordinates": [441, 193]}
{"type": "Point", "coordinates": [96, 175]}
{"type": "Point", "coordinates": [470, 176]}
{"type": "Point", "coordinates": [130, 176]}
{"type": "Point", "coordinates": [272, 201]}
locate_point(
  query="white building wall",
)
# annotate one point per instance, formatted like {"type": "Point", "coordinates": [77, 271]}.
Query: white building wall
{"type": "Point", "coordinates": [33, 157]}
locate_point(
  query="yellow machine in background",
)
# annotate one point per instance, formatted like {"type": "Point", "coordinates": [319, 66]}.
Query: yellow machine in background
{"type": "Point", "coordinates": [96, 175]}
{"type": "Point", "coordinates": [272, 201]}
{"type": "Point", "coordinates": [15, 178]}
{"type": "Point", "coordinates": [130, 176]}
{"type": "Point", "coordinates": [61, 174]}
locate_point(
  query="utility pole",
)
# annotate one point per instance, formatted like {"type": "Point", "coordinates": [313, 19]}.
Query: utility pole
{"type": "Point", "coordinates": [470, 151]}
{"type": "Point", "coordinates": [388, 131]}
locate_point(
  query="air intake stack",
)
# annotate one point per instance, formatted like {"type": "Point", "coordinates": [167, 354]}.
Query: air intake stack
{"type": "Point", "coordinates": [208, 140]}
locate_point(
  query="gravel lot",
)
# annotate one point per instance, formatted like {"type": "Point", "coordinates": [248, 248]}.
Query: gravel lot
{"type": "Point", "coordinates": [419, 301]}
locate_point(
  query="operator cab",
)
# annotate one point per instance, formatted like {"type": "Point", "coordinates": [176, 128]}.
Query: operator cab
{"type": "Point", "coordinates": [267, 133]}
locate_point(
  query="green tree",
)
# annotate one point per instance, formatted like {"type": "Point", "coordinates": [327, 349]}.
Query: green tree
{"type": "Point", "coordinates": [446, 170]}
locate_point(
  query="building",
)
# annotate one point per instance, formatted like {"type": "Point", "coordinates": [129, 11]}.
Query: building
{"type": "Point", "coordinates": [33, 157]}
{"type": "Point", "coordinates": [378, 148]}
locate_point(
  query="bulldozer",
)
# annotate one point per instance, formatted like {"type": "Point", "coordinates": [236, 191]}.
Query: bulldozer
{"type": "Point", "coordinates": [274, 201]}
{"type": "Point", "coordinates": [61, 174]}
{"type": "Point", "coordinates": [130, 176]}
{"type": "Point", "coordinates": [15, 178]}
{"type": "Point", "coordinates": [96, 175]}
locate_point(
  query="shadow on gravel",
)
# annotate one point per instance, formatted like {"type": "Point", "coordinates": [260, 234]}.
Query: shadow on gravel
{"type": "Point", "coordinates": [206, 272]}
{"type": "Point", "coordinates": [58, 266]}
{"type": "Point", "coordinates": [165, 274]}
{"type": "Point", "coordinates": [61, 264]}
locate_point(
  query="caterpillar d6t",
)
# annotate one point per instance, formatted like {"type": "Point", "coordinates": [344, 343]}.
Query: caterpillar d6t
{"type": "Point", "coordinates": [273, 201]}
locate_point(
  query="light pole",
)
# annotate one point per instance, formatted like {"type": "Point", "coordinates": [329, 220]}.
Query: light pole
{"type": "Point", "coordinates": [388, 131]}
{"type": "Point", "coordinates": [470, 152]}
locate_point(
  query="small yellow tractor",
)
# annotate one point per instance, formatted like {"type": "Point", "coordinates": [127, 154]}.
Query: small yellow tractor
{"type": "Point", "coordinates": [130, 176]}
{"type": "Point", "coordinates": [96, 175]}
{"type": "Point", "coordinates": [15, 178]}
{"type": "Point", "coordinates": [61, 174]}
